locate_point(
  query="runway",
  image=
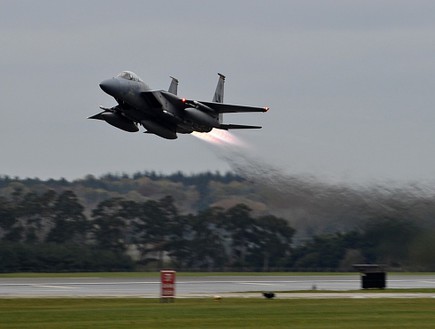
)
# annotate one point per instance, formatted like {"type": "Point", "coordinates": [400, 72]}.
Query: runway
{"type": "Point", "coordinates": [203, 286]}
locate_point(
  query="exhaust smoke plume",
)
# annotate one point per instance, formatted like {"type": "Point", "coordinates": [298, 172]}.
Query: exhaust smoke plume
{"type": "Point", "coordinates": [313, 206]}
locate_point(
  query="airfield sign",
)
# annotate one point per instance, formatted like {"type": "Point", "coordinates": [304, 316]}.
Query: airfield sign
{"type": "Point", "coordinates": [167, 285]}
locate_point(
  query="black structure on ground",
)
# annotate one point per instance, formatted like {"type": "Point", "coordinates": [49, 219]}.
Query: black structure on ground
{"type": "Point", "coordinates": [373, 276]}
{"type": "Point", "coordinates": [269, 295]}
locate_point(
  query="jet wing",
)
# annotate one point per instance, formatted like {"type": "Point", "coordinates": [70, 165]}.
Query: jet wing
{"type": "Point", "coordinates": [174, 99]}
{"type": "Point", "coordinates": [151, 99]}
{"type": "Point", "coordinates": [229, 108]}
{"type": "Point", "coordinates": [216, 107]}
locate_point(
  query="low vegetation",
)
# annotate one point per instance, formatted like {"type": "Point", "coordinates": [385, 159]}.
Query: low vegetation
{"type": "Point", "coordinates": [227, 313]}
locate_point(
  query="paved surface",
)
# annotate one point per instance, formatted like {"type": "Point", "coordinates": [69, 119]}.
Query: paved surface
{"type": "Point", "coordinates": [205, 286]}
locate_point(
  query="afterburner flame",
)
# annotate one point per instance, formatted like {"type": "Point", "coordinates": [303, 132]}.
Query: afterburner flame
{"type": "Point", "coordinates": [219, 137]}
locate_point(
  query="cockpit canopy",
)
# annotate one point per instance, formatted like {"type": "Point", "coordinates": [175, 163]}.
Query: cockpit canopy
{"type": "Point", "coordinates": [129, 76]}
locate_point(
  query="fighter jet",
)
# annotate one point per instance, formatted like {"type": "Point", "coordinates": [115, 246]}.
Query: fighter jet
{"type": "Point", "coordinates": [162, 112]}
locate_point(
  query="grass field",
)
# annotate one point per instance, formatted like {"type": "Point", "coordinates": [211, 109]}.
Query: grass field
{"type": "Point", "coordinates": [207, 313]}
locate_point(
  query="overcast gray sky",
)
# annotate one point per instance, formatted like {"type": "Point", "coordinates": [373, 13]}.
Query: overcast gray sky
{"type": "Point", "coordinates": [350, 84]}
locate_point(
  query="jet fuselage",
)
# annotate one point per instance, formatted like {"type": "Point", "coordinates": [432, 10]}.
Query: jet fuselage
{"type": "Point", "coordinates": [162, 112]}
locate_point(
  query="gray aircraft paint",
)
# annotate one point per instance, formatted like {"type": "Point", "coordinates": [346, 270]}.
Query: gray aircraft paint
{"type": "Point", "coordinates": [162, 112]}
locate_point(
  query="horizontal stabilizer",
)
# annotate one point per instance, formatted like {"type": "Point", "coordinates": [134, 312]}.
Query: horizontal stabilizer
{"type": "Point", "coordinates": [231, 126]}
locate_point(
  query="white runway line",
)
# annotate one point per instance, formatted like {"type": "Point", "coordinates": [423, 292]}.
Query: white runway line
{"type": "Point", "coordinates": [52, 287]}
{"type": "Point", "coordinates": [257, 284]}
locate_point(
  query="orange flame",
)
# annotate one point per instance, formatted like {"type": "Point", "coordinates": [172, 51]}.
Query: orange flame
{"type": "Point", "coordinates": [219, 137]}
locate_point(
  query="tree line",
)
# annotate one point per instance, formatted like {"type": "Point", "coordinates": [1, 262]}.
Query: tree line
{"type": "Point", "coordinates": [50, 231]}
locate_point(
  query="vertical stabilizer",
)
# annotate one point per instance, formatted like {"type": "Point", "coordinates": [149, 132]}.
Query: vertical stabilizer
{"type": "Point", "coordinates": [219, 93]}
{"type": "Point", "coordinates": [173, 88]}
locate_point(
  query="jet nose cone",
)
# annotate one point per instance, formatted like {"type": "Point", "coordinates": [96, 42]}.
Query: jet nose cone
{"type": "Point", "coordinates": [109, 86]}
